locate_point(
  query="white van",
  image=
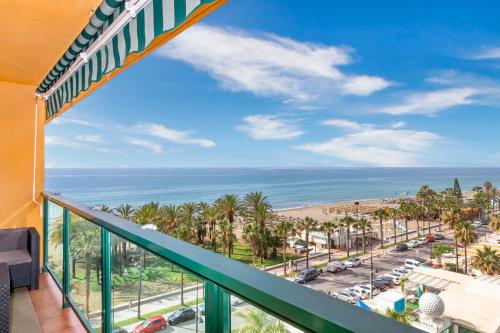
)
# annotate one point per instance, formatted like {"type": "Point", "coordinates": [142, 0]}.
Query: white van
{"type": "Point", "coordinates": [412, 263]}
{"type": "Point", "coordinates": [335, 266]}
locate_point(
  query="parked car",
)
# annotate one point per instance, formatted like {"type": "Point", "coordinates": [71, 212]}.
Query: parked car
{"type": "Point", "coordinates": [352, 262]}
{"type": "Point", "coordinates": [181, 315]}
{"type": "Point", "coordinates": [361, 293]}
{"type": "Point", "coordinates": [401, 270]}
{"type": "Point", "coordinates": [346, 296]}
{"type": "Point", "coordinates": [422, 241]}
{"type": "Point", "coordinates": [439, 237]}
{"type": "Point", "coordinates": [430, 239]}
{"type": "Point", "coordinates": [401, 247]}
{"type": "Point", "coordinates": [153, 324]}
{"type": "Point", "coordinates": [413, 243]}
{"type": "Point", "coordinates": [380, 285]}
{"type": "Point", "coordinates": [335, 266]}
{"type": "Point", "coordinates": [412, 263]}
{"type": "Point", "coordinates": [395, 278]}
{"type": "Point", "coordinates": [386, 280]}
{"type": "Point", "coordinates": [367, 286]}
{"type": "Point", "coordinates": [307, 275]}
{"type": "Point", "coordinates": [477, 223]}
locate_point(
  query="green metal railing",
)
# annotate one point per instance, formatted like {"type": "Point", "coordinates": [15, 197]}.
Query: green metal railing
{"type": "Point", "coordinates": [302, 308]}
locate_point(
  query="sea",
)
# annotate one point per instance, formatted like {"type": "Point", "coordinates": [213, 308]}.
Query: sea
{"type": "Point", "coordinates": [285, 187]}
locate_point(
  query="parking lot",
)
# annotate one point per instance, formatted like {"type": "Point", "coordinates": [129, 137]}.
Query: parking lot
{"type": "Point", "coordinates": [332, 282]}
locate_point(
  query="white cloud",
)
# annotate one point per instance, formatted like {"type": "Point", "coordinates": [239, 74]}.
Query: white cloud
{"type": "Point", "coordinates": [398, 124]}
{"type": "Point", "coordinates": [270, 65]}
{"type": "Point", "coordinates": [486, 53]}
{"type": "Point", "coordinates": [181, 137]}
{"type": "Point", "coordinates": [432, 102]}
{"type": "Point", "coordinates": [262, 127]}
{"type": "Point", "coordinates": [153, 146]}
{"type": "Point", "coordinates": [89, 138]}
{"type": "Point", "coordinates": [346, 124]}
{"type": "Point", "coordinates": [378, 147]}
{"type": "Point", "coordinates": [52, 140]}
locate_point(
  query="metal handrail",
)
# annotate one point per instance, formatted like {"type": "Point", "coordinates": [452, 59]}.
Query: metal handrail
{"type": "Point", "coordinates": [301, 307]}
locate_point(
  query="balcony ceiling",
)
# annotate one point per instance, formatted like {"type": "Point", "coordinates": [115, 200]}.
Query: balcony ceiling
{"type": "Point", "coordinates": [35, 34]}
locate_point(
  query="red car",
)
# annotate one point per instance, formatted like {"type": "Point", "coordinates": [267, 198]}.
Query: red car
{"type": "Point", "coordinates": [430, 239]}
{"type": "Point", "coordinates": [153, 324]}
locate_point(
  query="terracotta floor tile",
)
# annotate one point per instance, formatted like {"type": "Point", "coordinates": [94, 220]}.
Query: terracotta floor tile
{"type": "Point", "coordinates": [47, 302]}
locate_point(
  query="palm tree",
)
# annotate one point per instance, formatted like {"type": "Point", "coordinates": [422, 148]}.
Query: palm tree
{"type": "Point", "coordinates": [363, 224]}
{"type": "Point", "coordinates": [487, 260]}
{"type": "Point", "coordinates": [229, 205]}
{"type": "Point", "coordinates": [394, 214]}
{"type": "Point", "coordinates": [425, 195]}
{"type": "Point", "coordinates": [225, 231]}
{"type": "Point", "coordinates": [348, 221]}
{"type": "Point", "coordinates": [406, 211]}
{"type": "Point", "coordinates": [307, 225]}
{"type": "Point", "coordinates": [148, 214]}
{"type": "Point", "coordinates": [283, 230]}
{"type": "Point", "coordinates": [170, 216]}
{"type": "Point", "coordinates": [328, 228]}
{"type": "Point", "coordinates": [418, 213]}
{"type": "Point", "coordinates": [452, 216]}
{"type": "Point", "coordinates": [489, 190]}
{"type": "Point", "coordinates": [495, 223]}
{"type": "Point", "coordinates": [211, 214]}
{"type": "Point", "coordinates": [465, 233]}
{"type": "Point", "coordinates": [254, 200]}
{"type": "Point", "coordinates": [439, 249]}
{"type": "Point", "coordinates": [86, 244]}
{"type": "Point", "coordinates": [479, 202]}
{"type": "Point", "coordinates": [127, 212]}
{"type": "Point", "coordinates": [381, 214]}
{"type": "Point", "coordinates": [250, 235]}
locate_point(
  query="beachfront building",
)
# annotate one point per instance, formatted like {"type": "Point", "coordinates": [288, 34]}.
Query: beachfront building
{"type": "Point", "coordinates": [98, 269]}
{"type": "Point", "coordinates": [471, 303]}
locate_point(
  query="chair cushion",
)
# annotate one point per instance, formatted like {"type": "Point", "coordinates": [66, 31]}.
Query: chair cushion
{"type": "Point", "coordinates": [15, 257]}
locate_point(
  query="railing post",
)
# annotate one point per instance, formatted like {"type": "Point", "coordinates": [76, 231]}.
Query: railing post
{"type": "Point", "coordinates": [107, 323]}
{"type": "Point", "coordinates": [45, 234]}
{"type": "Point", "coordinates": [66, 255]}
{"type": "Point", "coordinates": [217, 309]}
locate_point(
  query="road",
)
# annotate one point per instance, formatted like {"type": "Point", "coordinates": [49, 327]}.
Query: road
{"type": "Point", "coordinates": [332, 282]}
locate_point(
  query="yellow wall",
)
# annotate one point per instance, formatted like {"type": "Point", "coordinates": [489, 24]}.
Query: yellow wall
{"type": "Point", "coordinates": [17, 124]}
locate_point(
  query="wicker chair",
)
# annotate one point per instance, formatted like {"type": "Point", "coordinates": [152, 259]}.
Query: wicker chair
{"type": "Point", "coordinates": [20, 249]}
{"type": "Point", "coordinates": [4, 297]}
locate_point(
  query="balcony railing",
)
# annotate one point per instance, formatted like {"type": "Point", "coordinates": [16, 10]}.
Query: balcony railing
{"type": "Point", "coordinates": [111, 271]}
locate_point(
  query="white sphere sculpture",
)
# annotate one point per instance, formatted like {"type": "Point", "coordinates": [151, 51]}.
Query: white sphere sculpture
{"type": "Point", "coordinates": [431, 305]}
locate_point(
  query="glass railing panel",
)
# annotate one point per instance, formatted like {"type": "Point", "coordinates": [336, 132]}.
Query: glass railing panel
{"type": "Point", "coordinates": [86, 269]}
{"type": "Point", "coordinates": [248, 318]}
{"type": "Point", "coordinates": [150, 291]}
{"type": "Point", "coordinates": [55, 241]}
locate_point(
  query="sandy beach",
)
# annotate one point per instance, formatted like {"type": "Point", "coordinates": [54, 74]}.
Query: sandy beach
{"type": "Point", "coordinates": [327, 212]}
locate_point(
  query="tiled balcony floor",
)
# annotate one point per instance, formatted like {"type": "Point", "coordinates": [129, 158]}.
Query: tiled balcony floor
{"type": "Point", "coordinates": [47, 302]}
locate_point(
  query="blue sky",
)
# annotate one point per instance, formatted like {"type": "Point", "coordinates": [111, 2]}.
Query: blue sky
{"type": "Point", "coordinates": [288, 84]}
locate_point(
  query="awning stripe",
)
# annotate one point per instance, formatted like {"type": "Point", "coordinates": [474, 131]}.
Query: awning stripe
{"type": "Point", "coordinates": [102, 14]}
{"type": "Point", "coordinates": [154, 19]}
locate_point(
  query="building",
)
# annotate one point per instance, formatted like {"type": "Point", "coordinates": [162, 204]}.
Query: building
{"type": "Point", "coordinates": [472, 303]}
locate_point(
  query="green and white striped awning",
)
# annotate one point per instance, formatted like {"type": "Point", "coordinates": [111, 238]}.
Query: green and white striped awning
{"type": "Point", "coordinates": [154, 18]}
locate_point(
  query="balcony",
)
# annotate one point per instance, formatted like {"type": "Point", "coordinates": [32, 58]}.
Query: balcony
{"type": "Point", "coordinates": [114, 274]}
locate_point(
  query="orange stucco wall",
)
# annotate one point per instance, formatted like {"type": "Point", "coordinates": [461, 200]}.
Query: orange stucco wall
{"type": "Point", "coordinates": [17, 139]}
